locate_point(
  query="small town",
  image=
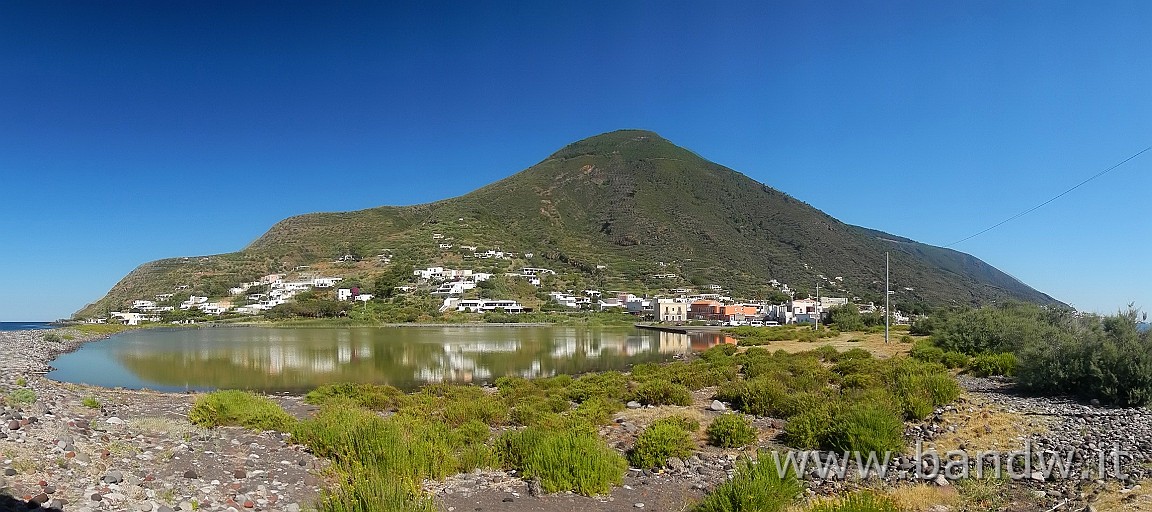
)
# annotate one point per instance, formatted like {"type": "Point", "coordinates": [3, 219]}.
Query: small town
{"type": "Point", "coordinates": [457, 289]}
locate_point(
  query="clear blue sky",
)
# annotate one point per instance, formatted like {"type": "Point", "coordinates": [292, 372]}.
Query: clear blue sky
{"type": "Point", "coordinates": [132, 131]}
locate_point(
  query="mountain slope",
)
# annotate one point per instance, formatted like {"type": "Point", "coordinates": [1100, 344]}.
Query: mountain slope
{"type": "Point", "coordinates": [617, 207]}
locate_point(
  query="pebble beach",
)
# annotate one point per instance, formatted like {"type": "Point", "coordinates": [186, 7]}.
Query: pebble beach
{"type": "Point", "coordinates": [82, 448]}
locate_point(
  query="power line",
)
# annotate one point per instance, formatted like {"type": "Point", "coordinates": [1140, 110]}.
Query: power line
{"type": "Point", "coordinates": [1058, 196]}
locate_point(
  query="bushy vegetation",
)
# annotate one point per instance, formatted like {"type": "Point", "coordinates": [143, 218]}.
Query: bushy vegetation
{"type": "Point", "coordinates": [849, 318]}
{"type": "Point", "coordinates": [1052, 350]}
{"type": "Point", "coordinates": [756, 487]}
{"type": "Point", "coordinates": [662, 392]}
{"type": "Point", "coordinates": [984, 365]}
{"type": "Point", "coordinates": [839, 400]}
{"type": "Point", "coordinates": [369, 396]}
{"type": "Point", "coordinates": [90, 402]}
{"type": "Point", "coordinates": [664, 438]}
{"type": "Point", "coordinates": [22, 396]}
{"type": "Point", "coordinates": [563, 459]}
{"type": "Point", "coordinates": [239, 408]}
{"type": "Point", "coordinates": [730, 431]}
{"type": "Point", "coordinates": [755, 336]}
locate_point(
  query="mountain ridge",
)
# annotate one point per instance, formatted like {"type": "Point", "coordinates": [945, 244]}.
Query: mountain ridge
{"type": "Point", "coordinates": [615, 209]}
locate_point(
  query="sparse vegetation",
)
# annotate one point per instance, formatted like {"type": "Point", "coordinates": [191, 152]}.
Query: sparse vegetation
{"type": "Point", "coordinates": [563, 460]}
{"type": "Point", "coordinates": [731, 431]}
{"type": "Point", "coordinates": [22, 396]}
{"type": "Point", "coordinates": [90, 402]}
{"type": "Point", "coordinates": [756, 487]}
{"type": "Point", "coordinates": [664, 438]}
{"type": "Point", "coordinates": [859, 501]}
{"type": "Point", "coordinates": [239, 408]}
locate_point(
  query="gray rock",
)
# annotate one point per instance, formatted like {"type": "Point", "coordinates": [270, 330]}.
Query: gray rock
{"type": "Point", "coordinates": [717, 406]}
{"type": "Point", "coordinates": [113, 477]}
{"type": "Point", "coordinates": [941, 480]}
{"type": "Point", "coordinates": [633, 404]}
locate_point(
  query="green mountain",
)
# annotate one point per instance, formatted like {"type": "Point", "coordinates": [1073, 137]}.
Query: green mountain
{"type": "Point", "coordinates": [613, 211]}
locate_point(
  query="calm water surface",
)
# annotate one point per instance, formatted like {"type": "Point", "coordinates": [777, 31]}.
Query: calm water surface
{"type": "Point", "coordinates": [299, 359]}
{"type": "Point", "coordinates": [25, 326]}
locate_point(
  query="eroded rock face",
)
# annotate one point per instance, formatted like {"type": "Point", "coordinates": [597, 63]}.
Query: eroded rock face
{"type": "Point", "coordinates": [137, 450]}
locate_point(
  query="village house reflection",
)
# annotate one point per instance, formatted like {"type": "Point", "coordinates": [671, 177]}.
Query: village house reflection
{"type": "Point", "coordinates": [276, 359]}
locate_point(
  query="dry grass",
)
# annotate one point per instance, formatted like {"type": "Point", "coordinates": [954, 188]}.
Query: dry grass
{"type": "Point", "coordinates": [873, 343]}
{"type": "Point", "coordinates": [1114, 497]}
{"type": "Point", "coordinates": [175, 429]}
{"type": "Point", "coordinates": [981, 426]}
{"type": "Point", "coordinates": [923, 497]}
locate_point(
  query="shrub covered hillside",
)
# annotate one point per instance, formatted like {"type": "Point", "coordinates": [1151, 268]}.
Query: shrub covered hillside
{"type": "Point", "coordinates": [384, 443]}
{"type": "Point", "coordinates": [1050, 350]}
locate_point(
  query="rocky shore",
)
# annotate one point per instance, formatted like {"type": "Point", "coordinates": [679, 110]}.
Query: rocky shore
{"type": "Point", "coordinates": [82, 448]}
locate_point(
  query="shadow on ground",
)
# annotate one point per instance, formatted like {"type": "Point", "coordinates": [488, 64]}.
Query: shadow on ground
{"type": "Point", "coordinates": [10, 504]}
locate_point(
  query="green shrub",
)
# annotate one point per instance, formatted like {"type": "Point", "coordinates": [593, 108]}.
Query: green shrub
{"type": "Point", "coordinates": [239, 408]}
{"type": "Point", "coordinates": [860, 501]}
{"type": "Point", "coordinates": [597, 410]}
{"type": "Point", "coordinates": [865, 427]}
{"type": "Point", "coordinates": [731, 431]}
{"type": "Point", "coordinates": [610, 385]}
{"type": "Point", "coordinates": [721, 353]}
{"type": "Point", "coordinates": [906, 339]}
{"type": "Point", "coordinates": [22, 396]}
{"type": "Point", "coordinates": [953, 359]}
{"type": "Point", "coordinates": [756, 487]}
{"type": "Point", "coordinates": [90, 402]}
{"type": "Point", "coordinates": [927, 352]}
{"type": "Point", "coordinates": [762, 396]}
{"type": "Point", "coordinates": [51, 337]}
{"type": "Point", "coordinates": [662, 439]}
{"type": "Point", "coordinates": [662, 392]}
{"type": "Point", "coordinates": [374, 492]}
{"type": "Point", "coordinates": [21, 381]}
{"type": "Point", "coordinates": [563, 460]}
{"type": "Point", "coordinates": [371, 396]}
{"type": "Point", "coordinates": [984, 365]}
{"type": "Point", "coordinates": [809, 429]}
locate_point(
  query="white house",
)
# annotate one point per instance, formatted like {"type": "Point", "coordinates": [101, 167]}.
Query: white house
{"type": "Point", "coordinates": [326, 282]}
{"type": "Point", "coordinates": [144, 305]}
{"type": "Point", "coordinates": [484, 305]}
{"type": "Point", "coordinates": [565, 299]}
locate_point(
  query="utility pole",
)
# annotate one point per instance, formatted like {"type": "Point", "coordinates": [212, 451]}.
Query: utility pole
{"type": "Point", "coordinates": [817, 305]}
{"type": "Point", "coordinates": [886, 292]}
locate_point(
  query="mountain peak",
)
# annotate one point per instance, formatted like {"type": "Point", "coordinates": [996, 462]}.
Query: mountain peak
{"type": "Point", "coordinates": [620, 141]}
